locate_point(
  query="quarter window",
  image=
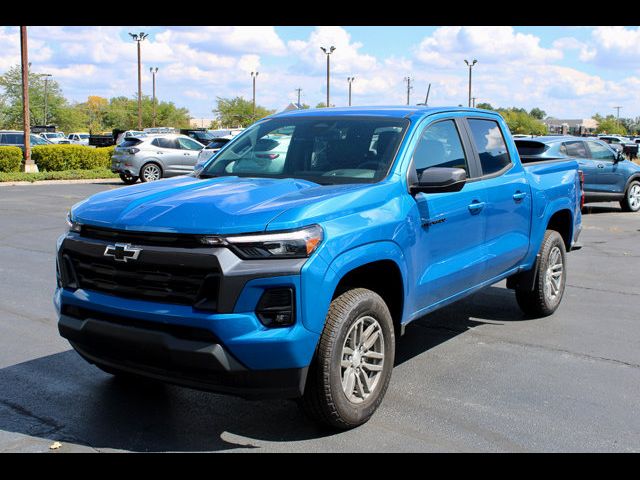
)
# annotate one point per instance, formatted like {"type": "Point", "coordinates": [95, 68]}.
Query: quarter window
{"type": "Point", "coordinates": [490, 144]}
{"type": "Point", "coordinates": [574, 149]}
{"type": "Point", "coordinates": [440, 146]}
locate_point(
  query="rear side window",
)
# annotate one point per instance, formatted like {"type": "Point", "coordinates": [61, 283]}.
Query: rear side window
{"type": "Point", "coordinates": [440, 146]}
{"type": "Point", "coordinates": [165, 143]}
{"type": "Point", "coordinates": [490, 144]}
{"type": "Point", "coordinates": [574, 149]}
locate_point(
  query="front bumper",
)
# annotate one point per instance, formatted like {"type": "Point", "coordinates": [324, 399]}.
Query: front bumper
{"type": "Point", "coordinates": [179, 357]}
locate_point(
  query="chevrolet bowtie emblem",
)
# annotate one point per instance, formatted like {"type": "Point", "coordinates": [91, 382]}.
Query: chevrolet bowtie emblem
{"type": "Point", "coordinates": [122, 252]}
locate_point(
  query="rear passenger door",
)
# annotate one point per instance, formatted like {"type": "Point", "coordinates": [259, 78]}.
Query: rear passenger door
{"type": "Point", "coordinates": [449, 252]}
{"type": "Point", "coordinates": [190, 150]}
{"type": "Point", "coordinates": [577, 149]}
{"type": "Point", "coordinates": [168, 152]}
{"type": "Point", "coordinates": [508, 209]}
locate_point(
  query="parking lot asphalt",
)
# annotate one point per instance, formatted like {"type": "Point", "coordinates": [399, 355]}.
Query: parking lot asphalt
{"type": "Point", "coordinates": [474, 376]}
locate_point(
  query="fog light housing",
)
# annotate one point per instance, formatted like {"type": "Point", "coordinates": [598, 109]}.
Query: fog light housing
{"type": "Point", "coordinates": [276, 307]}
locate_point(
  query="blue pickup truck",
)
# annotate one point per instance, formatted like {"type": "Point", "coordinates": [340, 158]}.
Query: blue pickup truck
{"type": "Point", "coordinates": [291, 272]}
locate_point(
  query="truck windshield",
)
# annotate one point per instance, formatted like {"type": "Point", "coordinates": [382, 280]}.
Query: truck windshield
{"type": "Point", "coordinates": [325, 150]}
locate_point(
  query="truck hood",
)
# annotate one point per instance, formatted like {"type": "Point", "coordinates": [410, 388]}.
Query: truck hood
{"type": "Point", "coordinates": [186, 204]}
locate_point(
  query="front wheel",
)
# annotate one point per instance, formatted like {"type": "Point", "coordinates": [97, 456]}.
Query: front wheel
{"type": "Point", "coordinates": [352, 367]}
{"type": "Point", "coordinates": [551, 274]}
{"type": "Point", "coordinates": [631, 202]}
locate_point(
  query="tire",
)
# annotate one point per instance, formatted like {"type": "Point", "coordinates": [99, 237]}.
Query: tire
{"type": "Point", "coordinates": [150, 172]}
{"type": "Point", "coordinates": [547, 293]}
{"type": "Point", "coordinates": [325, 400]}
{"type": "Point", "coordinates": [631, 202]}
{"type": "Point", "coordinates": [128, 178]}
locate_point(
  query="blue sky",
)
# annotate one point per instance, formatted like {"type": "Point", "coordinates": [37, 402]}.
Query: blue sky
{"type": "Point", "coordinates": [569, 72]}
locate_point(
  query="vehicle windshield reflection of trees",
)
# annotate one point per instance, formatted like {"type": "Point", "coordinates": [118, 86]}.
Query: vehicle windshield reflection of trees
{"type": "Point", "coordinates": [352, 150]}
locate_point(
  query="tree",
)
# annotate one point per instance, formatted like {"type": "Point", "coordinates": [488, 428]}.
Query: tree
{"type": "Point", "coordinates": [519, 121]}
{"type": "Point", "coordinates": [486, 106]}
{"type": "Point", "coordinates": [238, 112]}
{"type": "Point", "coordinates": [11, 99]}
{"type": "Point", "coordinates": [538, 113]}
{"type": "Point", "coordinates": [609, 124]}
{"type": "Point", "coordinates": [321, 105]}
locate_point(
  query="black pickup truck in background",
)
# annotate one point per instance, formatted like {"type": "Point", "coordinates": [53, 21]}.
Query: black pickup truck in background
{"type": "Point", "coordinates": [105, 139]}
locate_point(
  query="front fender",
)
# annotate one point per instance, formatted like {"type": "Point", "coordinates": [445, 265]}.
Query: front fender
{"type": "Point", "coordinates": [317, 293]}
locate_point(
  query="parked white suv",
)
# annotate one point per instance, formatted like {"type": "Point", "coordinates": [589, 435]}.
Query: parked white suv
{"type": "Point", "coordinates": [79, 138]}
{"type": "Point", "coordinates": [55, 137]}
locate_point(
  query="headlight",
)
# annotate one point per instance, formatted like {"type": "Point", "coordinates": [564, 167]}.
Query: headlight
{"type": "Point", "coordinates": [73, 226]}
{"type": "Point", "coordinates": [292, 244]}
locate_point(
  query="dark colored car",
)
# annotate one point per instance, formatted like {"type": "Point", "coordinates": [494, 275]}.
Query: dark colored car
{"type": "Point", "coordinates": [15, 138]}
{"type": "Point", "coordinates": [628, 146]}
{"type": "Point", "coordinates": [199, 134]}
{"type": "Point", "coordinates": [608, 176]}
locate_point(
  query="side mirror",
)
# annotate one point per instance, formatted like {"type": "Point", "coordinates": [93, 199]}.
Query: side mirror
{"type": "Point", "coordinates": [619, 156]}
{"type": "Point", "coordinates": [440, 179]}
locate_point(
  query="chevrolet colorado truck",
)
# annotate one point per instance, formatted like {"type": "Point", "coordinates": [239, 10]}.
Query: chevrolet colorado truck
{"type": "Point", "coordinates": [292, 274]}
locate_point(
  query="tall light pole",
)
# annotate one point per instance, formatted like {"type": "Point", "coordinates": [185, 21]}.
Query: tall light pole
{"type": "Point", "coordinates": [298, 90]}
{"type": "Point", "coordinates": [470, 65]}
{"type": "Point", "coordinates": [254, 75]}
{"type": "Point", "coordinates": [473, 103]}
{"type": "Point", "coordinates": [138, 38]}
{"type": "Point", "coordinates": [153, 73]}
{"type": "Point", "coordinates": [409, 87]}
{"type": "Point", "coordinates": [350, 80]}
{"type": "Point", "coordinates": [328, 52]}
{"type": "Point", "coordinates": [29, 165]}
{"type": "Point", "coordinates": [46, 95]}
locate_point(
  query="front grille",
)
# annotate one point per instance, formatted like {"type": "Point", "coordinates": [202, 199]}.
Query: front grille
{"type": "Point", "coordinates": [142, 238]}
{"type": "Point", "coordinates": [178, 284]}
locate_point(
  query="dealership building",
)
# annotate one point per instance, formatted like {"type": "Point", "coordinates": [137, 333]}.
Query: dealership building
{"type": "Point", "coordinates": [583, 126]}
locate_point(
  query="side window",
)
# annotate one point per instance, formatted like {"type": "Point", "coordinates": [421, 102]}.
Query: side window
{"type": "Point", "coordinates": [574, 149]}
{"type": "Point", "coordinates": [490, 144]}
{"type": "Point", "coordinates": [187, 144]}
{"type": "Point", "coordinates": [600, 152]}
{"type": "Point", "coordinates": [165, 143]}
{"type": "Point", "coordinates": [440, 146]}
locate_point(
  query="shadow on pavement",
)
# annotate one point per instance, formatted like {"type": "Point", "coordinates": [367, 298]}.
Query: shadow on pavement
{"type": "Point", "coordinates": [590, 209]}
{"type": "Point", "coordinates": [62, 398]}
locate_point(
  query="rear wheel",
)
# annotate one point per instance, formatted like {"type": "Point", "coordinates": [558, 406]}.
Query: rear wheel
{"type": "Point", "coordinates": [631, 202]}
{"type": "Point", "coordinates": [150, 172]}
{"type": "Point", "coordinates": [128, 178]}
{"type": "Point", "coordinates": [551, 273]}
{"type": "Point", "coordinates": [352, 368]}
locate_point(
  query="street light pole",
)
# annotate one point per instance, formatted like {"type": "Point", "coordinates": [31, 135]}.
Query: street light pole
{"type": "Point", "coordinates": [138, 38]}
{"type": "Point", "coordinates": [470, 65]}
{"type": "Point", "coordinates": [328, 52]}
{"type": "Point", "coordinates": [254, 75]}
{"type": "Point", "coordinates": [46, 95]}
{"type": "Point", "coordinates": [153, 73]}
{"type": "Point", "coordinates": [350, 80]}
{"type": "Point", "coordinates": [409, 87]}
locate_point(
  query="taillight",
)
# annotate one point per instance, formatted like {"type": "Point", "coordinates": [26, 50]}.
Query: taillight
{"type": "Point", "coordinates": [581, 176]}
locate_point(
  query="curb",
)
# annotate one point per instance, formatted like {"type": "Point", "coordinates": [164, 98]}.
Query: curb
{"type": "Point", "coordinates": [62, 182]}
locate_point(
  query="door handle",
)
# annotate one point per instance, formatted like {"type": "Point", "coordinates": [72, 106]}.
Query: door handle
{"type": "Point", "coordinates": [601, 165]}
{"type": "Point", "coordinates": [160, 153]}
{"type": "Point", "coordinates": [518, 196]}
{"type": "Point", "coordinates": [476, 206]}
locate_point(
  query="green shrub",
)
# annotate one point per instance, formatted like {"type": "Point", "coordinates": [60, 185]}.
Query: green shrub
{"type": "Point", "coordinates": [71, 157]}
{"type": "Point", "coordinates": [61, 175]}
{"type": "Point", "coordinates": [10, 159]}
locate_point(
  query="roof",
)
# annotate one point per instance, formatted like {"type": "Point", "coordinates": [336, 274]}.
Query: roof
{"type": "Point", "coordinates": [384, 111]}
{"type": "Point", "coordinates": [551, 138]}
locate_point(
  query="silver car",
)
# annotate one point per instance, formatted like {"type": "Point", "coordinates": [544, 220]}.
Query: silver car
{"type": "Point", "coordinates": [154, 157]}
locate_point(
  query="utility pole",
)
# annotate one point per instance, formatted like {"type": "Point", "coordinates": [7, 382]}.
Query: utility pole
{"type": "Point", "coordinates": [328, 52]}
{"type": "Point", "coordinates": [350, 80]}
{"type": "Point", "coordinates": [138, 38]}
{"type": "Point", "coordinates": [298, 90]}
{"type": "Point", "coordinates": [474, 102]}
{"type": "Point", "coordinates": [29, 165]}
{"type": "Point", "coordinates": [618, 115]}
{"type": "Point", "coordinates": [254, 75]}
{"type": "Point", "coordinates": [470, 65]}
{"type": "Point", "coordinates": [409, 87]}
{"type": "Point", "coordinates": [153, 73]}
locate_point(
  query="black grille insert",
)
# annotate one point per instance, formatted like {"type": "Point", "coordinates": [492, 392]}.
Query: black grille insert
{"type": "Point", "coordinates": [142, 238]}
{"type": "Point", "coordinates": [178, 284]}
